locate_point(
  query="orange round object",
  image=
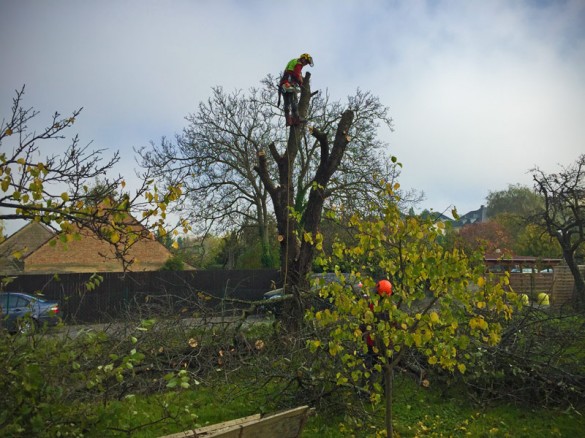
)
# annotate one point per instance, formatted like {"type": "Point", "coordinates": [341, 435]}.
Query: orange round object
{"type": "Point", "coordinates": [384, 287]}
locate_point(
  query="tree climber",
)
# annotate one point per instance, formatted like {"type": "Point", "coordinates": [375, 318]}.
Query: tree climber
{"type": "Point", "coordinates": [289, 86]}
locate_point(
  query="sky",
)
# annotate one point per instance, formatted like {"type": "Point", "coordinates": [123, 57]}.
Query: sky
{"type": "Point", "coordinates": [480, 92]}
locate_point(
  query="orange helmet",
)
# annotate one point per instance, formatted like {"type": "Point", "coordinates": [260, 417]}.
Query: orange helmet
{"type": "Point", "coordinates": [384, 287]}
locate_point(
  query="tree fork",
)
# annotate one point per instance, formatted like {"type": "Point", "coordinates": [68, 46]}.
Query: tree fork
{"type": "Point", "coordinates": [296, 253]}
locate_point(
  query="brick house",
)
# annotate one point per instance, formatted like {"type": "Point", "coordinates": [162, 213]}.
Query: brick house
{"type": "Point", "coordinates": [87, 254]}
{"type": "Point", "coordinates": [15, 249]}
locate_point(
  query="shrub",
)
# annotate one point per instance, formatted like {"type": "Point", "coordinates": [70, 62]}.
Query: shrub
{"type": "Point", "coordinates": [174, 263]}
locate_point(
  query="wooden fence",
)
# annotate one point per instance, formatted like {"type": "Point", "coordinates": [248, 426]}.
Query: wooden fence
{"type": "Point", "coordinates": [532, 284]}
{"type": "Point", "coordinates": [559, 286]}
{"type": "Point", "coordinates": [564, 286]}
{"type": "Point", "coordinates": [117, 292]}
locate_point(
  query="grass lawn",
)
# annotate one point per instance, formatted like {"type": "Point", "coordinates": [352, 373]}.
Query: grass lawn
{"type": "Point", "coordinates": [424, 412]}
{"type": "Point", "coordinates": [417, 412]}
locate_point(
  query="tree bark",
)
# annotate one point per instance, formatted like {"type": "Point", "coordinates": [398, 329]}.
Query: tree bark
{"type": "Point", "coordinates": [388, 394]}
{"type": "Point", "coordinates": [296, 253]}
{"type": "Point", "coordinates": [579, 288]}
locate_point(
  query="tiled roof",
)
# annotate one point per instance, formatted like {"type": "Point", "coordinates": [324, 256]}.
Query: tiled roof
{"type": "Point", "coordinates": [23, 242]}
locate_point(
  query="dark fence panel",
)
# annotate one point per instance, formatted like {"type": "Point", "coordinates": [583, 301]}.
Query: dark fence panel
{"type": "Point", "coordinates": [119, 292]}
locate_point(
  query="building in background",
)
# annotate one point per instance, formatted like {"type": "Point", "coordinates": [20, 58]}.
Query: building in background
{"type": "Point", "coordinates": [31, 251]}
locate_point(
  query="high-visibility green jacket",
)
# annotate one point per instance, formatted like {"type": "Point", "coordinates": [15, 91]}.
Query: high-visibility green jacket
{"type": "Point", "coordinates": [293, 72]}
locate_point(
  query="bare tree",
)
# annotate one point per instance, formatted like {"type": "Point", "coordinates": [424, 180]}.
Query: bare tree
{"type": "Point", "coordinates": [214, 157]}
{"type": "Point", "coordinates": [298, 231]}
{"type": "Point", "coordinates": [563, 215]}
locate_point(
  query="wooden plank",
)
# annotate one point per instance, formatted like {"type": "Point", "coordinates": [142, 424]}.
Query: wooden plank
{"type": "Point", "coordinates": [205, 431]}
{"type": "Point", "coordinates": [286, 424]}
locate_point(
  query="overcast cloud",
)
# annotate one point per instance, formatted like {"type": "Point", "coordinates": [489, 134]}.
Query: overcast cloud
{"type": "Point", "coordinates": [480, 91]}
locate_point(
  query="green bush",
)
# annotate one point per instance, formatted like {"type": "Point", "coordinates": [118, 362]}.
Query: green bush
{"type": "Point", "coordinates": [40, 380]}
{"type": "Point", "coordinates": [174, 263]}
{"type": "Point", "coordinates": [540, 361]}
{"type": "Point", "coordinates": [54, 384]}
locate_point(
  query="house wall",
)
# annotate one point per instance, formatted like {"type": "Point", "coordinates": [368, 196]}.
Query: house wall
{"type": "Point", "coordinates": [89, 254]}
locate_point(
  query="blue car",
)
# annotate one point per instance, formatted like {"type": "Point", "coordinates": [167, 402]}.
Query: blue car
{"type": "Point", "coordinates": [24, 313]}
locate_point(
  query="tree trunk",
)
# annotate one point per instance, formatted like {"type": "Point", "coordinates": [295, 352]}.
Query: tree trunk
{"type": "Point", "coordinates": [266, 257]}
{"type": "Point", "coordinates": [296, 252]}
{"type": "Point", "coordinates": [579, 291]}
{"type": "Point", "coordinates": [388, 393]}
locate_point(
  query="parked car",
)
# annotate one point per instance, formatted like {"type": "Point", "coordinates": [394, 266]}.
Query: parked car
{"type": "Point", "coordinates": [317, 301]}
{"type": "Point", "coordinates": [20, 312]}
{"type": "Point", "coordinates": [330, 277]}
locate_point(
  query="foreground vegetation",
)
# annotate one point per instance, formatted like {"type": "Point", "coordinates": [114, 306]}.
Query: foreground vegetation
{"type": "Point", "coordinates": [419, 411]}
{"type": "Point", "coordinates": [452, 352]}
{"type": "Point", "coordinates": [150, 378]}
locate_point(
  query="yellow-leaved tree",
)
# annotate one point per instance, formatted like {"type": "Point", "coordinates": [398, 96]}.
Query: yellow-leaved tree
{"type": "Point", "coordinates": [59, 184]}
{"type": "Point", "coordinates": [443, 305]}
